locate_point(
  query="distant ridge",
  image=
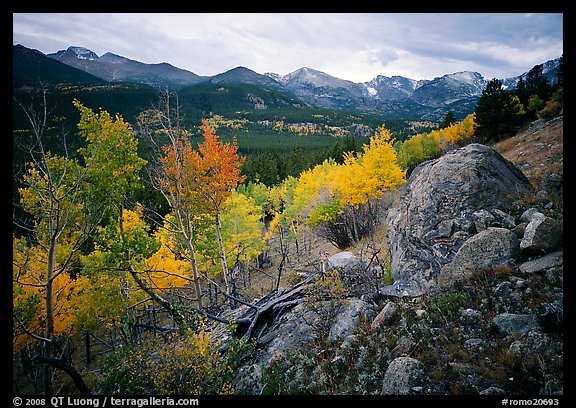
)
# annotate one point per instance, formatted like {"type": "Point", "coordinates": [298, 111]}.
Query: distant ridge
{"type": "Point", "coordinates": [398, 96]}
{"type": "Point", "coordinates": [115, 68]}
{"type": "Point", "coordinates": [34, 68]}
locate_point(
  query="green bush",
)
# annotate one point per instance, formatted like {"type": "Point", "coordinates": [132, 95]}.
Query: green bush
{"type": "Point", "coordinates": [182, 364]}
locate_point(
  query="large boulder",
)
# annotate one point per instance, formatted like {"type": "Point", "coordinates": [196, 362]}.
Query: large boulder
{"type": "Point", "coordinates": [496, 247]}
{"type": "Point", "coordinates": [403, 376]}
{"type": "Point", "coordinates": [436, 212]}
{"type": "Point", "coordinates": [542, 235]}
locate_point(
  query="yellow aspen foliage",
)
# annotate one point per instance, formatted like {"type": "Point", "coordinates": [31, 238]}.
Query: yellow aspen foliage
{"type": "Point", "coordinates": [183, 364]}
{"type": "Point", "coordinates": [372, 173]}
{"type": "Point", "coordinates": [103, 294]}
{"type": "Point", "coordinates": [314, 187]}
{"type": "Point", "coordinates": [424, 146]}
{"type": "Point", "coordinates": [28, 300]}
{"type": "Point", "coordinates": [242, 229]}
{"type": "Point", "coordinates": [323, 191]}
{"type": "Point", "coordinates": [167, 269]}
{"type": "Point", "coordinates": [242, 232]}
{"type": "Point", "coordinates": [274, 223]}
{"type": "Point", "coordinates": [164, 267]}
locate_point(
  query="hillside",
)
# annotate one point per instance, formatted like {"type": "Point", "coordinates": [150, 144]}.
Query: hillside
{"type": "Point", "coordinates": [538, 150]}
{"type": "Point", "coordinates": [366, 329]}
{"type": "Point", "coordinates": [32, 67]}
{"type": "Point", "coordinates": [493, 325]}
{"type": "Point", "coordinates": [353, 277]}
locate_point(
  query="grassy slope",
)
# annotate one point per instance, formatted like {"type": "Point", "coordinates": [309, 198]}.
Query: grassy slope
{"type": "Point", "coordinates": [537, 150]}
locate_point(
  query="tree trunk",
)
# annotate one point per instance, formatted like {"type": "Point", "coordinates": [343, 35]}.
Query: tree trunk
{"type": "Point", "coordinates": [49, 330]}
{"type": "Point", "coordinates": [87, 347]}
{"type": "Point", "coordinates": [222, 255]}
{"type": "Point", "coordinates": [296, 240]}
{"type": "Point", "coordinates": [178, 318]}
{"type": "Point", "coordinates": [195, 276]}
{"type": "Point", "coordinates": [68, 369]}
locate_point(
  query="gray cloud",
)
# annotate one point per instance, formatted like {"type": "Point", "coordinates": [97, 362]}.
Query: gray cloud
{"type": "Point", "coordinates": [354, 46]}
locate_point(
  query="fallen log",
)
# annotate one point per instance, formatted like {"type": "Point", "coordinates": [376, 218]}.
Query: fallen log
{"type": "Point", "coordinates": [270, 308]}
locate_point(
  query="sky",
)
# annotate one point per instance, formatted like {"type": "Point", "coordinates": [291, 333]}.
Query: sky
{"type": "Point", "coordinates": [351, 46]}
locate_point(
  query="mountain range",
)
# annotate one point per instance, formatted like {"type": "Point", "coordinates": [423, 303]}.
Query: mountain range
{"type": "Point", "coordinates": [396, 96]}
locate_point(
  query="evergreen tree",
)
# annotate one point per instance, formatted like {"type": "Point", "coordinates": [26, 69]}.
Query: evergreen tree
{"type": "Point", "coordinates": [448, 120]}
{"type": "Point", "coordinates": [349, 145]}
{"type": "Point", "coordinates": [522, 92]}
{"type": "Point", "coordinates": [537, 83]}
{"type": "Point", "coordinates": [498, 113]}
{"type": "Point", "coordinates": [296, 162]}
{"type": "Point", "coordinates": [560, 72]}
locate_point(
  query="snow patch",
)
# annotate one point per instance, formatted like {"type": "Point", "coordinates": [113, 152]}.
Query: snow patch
{"type": "Point", "coordinates": [83, 53]}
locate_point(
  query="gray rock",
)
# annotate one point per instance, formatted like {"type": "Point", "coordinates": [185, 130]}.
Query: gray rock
{"type": "Point", "coordinates": [482, 219]}
{"type": "Point", "coordinates": [542, 264]}
{"type": "Point", "coordinates": [519, 229]}
{"type": "Point", "coordinates": [403, 347]}
{"type": "Point", "coordinates": [497, 246]}
{"type": "Point", "coordinates": [555, 276]}
{"type": "Point", "coordinates": [421, 313]}
{"type": "Point", "coordinates": [527, 215]}
{"type": "Point", "coordinates": [542, 235]}
{"type": "Point", "coordinates": [493, 391]}
{"type": "Point", "coordinates": [473, 344]}
{"type": "Point", "coordinates": [551, 315]}
{"type": "Point", "coordinates": [344, 260]}
{"type": "Point", "coordinates": [470, 316]}
{"type": "Point", "coordinates": [300, 325]}
{"type": "Point", "coordinates": [402, 375]}
{"type": "Point", "coordinates": [249, 380]}
{"type": "Point", "coordinates": [294, 330]}
{"type": "Point", "coordinates": [552, 183]}
{"type": "Point", "coordinates": [534, 344]}
{"type": "Point", "coordinates": [503, 289]}
{"type": "Point", "coordinates": [508, 323]}
{"type": "Point", "coordinates": [349, 342]}
{"type": "Point", "coordinates": [435, 212]}
{"type": "Point", "coordinates": [503, 219]}
{"type": "Point", "coordinates": [357, 278]}
{"type": "Point", "coordinates": [387, 316]}
{"type": "Point", "coordinates": [521, 283]}
{"type": "Point", "coordinates": [337, 362]}
{"type": "Point", "coordinates": [402, 289]}
{"type": "Point", "coordinates": [346, 321]}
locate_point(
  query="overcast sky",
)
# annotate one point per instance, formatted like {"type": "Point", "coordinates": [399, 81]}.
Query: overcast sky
{"type": "Point", "coordinates": [352, 46]}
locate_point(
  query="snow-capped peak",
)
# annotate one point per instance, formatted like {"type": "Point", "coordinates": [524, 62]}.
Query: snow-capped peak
{"type": "Point", "coordinates": [83, 53]}
{"type": "Point", "coordinates": [467, 77]}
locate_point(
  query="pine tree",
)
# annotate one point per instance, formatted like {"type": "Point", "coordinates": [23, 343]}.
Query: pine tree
{"type": "Point", "coordinates": [448, 120]}
{"type": "Point", "coordinates": [498, 112]}
{"type": "Point", "coordinates": [537, 83]}
{"type": "Point", "coordinates": [560, 72]}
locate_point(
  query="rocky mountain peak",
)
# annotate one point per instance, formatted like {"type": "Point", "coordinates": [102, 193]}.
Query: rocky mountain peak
{"type": "Point", "coordinates": [315, 78]}
{"type": "Point", "coordinates": [397, 95]}
{"type": "Point", "coordinates": [113, 58]}
{"type": "Point", "coordinates": [76, 52]}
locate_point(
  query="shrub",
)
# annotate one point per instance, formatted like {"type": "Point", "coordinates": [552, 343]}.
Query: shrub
{"type": "Point", "coordinates": [550, 110]}
{"type": "Point", "coordinates": [188, 363]}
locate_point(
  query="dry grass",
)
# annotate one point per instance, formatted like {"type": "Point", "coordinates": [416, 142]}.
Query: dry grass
{"type": "Point", "coordinates": [538, 150]}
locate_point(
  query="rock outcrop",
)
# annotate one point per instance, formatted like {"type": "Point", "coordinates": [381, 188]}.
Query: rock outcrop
{"type": "Point", "coordinates": [442, 206]}
{"type": "Point", "coordinates": [490, 268]}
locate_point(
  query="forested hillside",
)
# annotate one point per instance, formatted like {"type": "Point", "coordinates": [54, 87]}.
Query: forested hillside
{"type": "Point", "coordinates": [186, 245]}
